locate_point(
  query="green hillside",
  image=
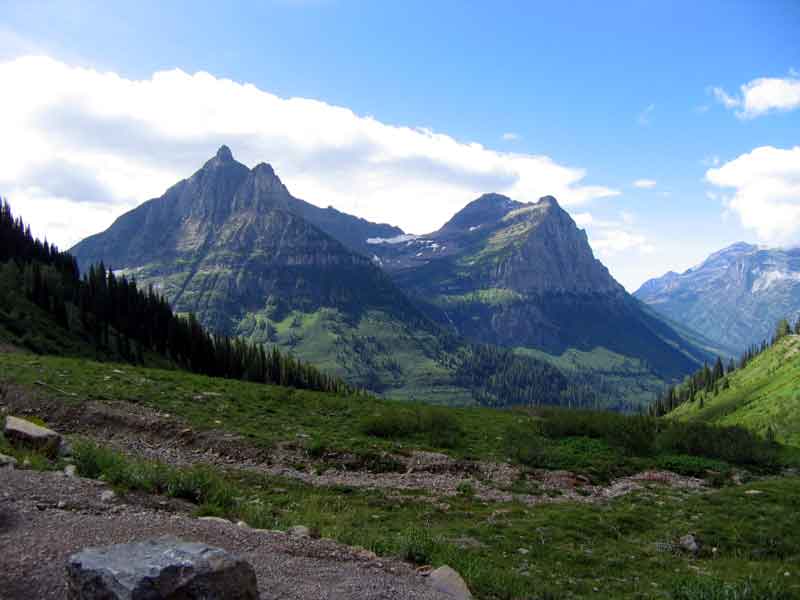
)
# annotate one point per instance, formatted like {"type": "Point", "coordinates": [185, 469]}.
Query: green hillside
{"type": "Point", "coordinates": [764, 394]}
{"type": "Point", "coordinates": [529, 538]}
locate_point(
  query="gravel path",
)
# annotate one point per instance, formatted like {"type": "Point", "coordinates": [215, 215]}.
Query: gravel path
{"type": "Point", "coordinates": [45, 517]}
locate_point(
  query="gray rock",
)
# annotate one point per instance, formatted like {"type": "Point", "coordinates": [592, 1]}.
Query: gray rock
{"type": "Point", "coordinates": [215, 520]}
{"type": "Point", "coordinates": [689, 544]}
{"type": "Point", "coordinates": [7, 462]}
{"type": "Point", "coordinates": [447, 580]}
{"type": "Point", "coordinates": [70, 470]}
{"type": "Point", "coordinates": [107, 496]}
{"type": "Point", "coordinates": [299, 531]}
{"type": "Point", "coordinates": [20, 432]}
{"type": "Point", "coordinates": [162, 569]}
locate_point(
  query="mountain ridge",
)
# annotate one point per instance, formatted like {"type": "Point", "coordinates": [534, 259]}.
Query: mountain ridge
{"type": "Point", "coordinates": [734, 296]}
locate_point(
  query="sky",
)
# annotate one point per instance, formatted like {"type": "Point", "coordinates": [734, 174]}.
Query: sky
{"type": "Point", "coordinates": [668, 130]}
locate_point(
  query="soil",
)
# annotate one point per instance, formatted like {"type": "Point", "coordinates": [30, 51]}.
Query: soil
{"type": "Point", "coordinates": [45, 517]}
{"type": "Point", "coordinates": [153, 435]}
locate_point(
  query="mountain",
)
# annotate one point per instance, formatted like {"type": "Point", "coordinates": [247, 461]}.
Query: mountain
{"type": "Point", "coordinates": [233, 246]}
{"type": "Point", "coordinates": [762, 396]}
{"type": "Point", "coordinates": [524, 276]}
{"type": "Point", "coordinates": [734, 297]}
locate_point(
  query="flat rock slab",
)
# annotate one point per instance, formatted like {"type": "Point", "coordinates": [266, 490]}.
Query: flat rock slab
{"type": "Point", "coordinates": [163, 569]}
{"type": "Point", "coordinates": [20, 432]}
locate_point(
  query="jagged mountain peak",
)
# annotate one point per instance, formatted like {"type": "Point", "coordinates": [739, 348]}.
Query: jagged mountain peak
{"type": "Point", "coordinates": [224, 153]}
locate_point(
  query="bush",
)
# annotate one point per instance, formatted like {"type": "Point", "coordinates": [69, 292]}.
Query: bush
{"type": "Point", "coordinates": [693, 466]}
{"type": "Point", "coordinates": [438, 425]}
{"type": "Point", "coordinates": [633, 434]}
{"type": "Point", "coordinates": [731, 444]}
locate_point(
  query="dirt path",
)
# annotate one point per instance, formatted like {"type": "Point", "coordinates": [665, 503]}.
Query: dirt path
{"type": "Point", "coordinates": [45, 517]}
{"type": "Point", "coordinates": [144, 432]}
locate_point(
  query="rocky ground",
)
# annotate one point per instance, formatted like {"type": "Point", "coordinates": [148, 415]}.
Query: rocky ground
{"type": "Point", "coordinates": [45, 517]}
{"type": "Point", "coordinates": [154, 435]}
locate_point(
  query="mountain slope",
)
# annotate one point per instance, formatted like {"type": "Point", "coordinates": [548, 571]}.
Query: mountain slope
{"type": "Point", "coordinates": [764, 394]}
{"type": "Point", "coordinates": [734, 297]}
{"type": "Point", "coordinates": [234, 247]}
{"type": "Point", "coordinates": [523, 275]}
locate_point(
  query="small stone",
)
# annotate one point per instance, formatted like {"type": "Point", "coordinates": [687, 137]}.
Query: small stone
{"type": "Point", "coordinates": [70, 470]}
{"type": "Point", "coordinates": [108, 496]}
{"type": "Point", "coordinates": [448, 581]}
{"type": "Point", "coordinates": [7, 462]}
{"type": "Point", "coordinates": [242, 524]}
{"type": "Point", "coordinates": [61, 505]}
{"type": "Point", "coordinates": [689, 544]}
{"type": "Point", "coordinates": [215, 520]}
{"type": "Point", "coordinates": [299, 531]}
{"type": "Point", "coordinates": [150, 569]}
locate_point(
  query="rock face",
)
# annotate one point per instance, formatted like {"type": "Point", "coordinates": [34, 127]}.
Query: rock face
{"type": "Point", "coordinates": [523, 275]}
{"type": "Point", "coordinates": [24, 433]}
{"type": "Point", "coordinates": [163, 569]}
{"type": "Point", "coordinates": [447, 580]}
{"type": "Point", "coordinates": [735, 297]}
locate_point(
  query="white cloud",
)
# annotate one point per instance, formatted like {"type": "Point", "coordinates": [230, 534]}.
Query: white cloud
{"type": "Point", "coordinates": [610, 237]}
{"type": "Point", "coordinates": [510, 136]}
{"type": "Point", "coordinates": [762, 96]}
{"type": "Point", "coordinates": [766, 196]}
{"type": "Point", "coordinates": [644, 183]}
{"type": "Point", "coordinates": [80, 142]}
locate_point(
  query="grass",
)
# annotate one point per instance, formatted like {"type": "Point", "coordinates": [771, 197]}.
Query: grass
{"type": "Point", "coordinates": [570, 549]}
{"type": "Point", "coordinates": [748, 541]}
{"type": "Point", "coordinates": [601, 444]}
{"type": "Point", "coordinates": [764, 395]}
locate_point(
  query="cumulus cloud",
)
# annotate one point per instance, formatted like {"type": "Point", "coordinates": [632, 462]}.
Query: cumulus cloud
{"type": "Point", "coordinates": [610, 237]}
{"type": "Point", "coordinates": [88, 145]}
{"type": "Point", "coordinates": [762, 96]}
{"type": "Point", "coordinates": [644, 183]}
{"type": "Point", "coordinates": [765, 186]}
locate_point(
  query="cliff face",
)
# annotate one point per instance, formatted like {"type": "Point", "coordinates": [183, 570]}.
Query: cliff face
{"type": "Point", "coordinates": [524, 275]}
{"type": "Point", "coordinates": [735, 297]}
{"type": "Point", "coordinates": [229, 241]}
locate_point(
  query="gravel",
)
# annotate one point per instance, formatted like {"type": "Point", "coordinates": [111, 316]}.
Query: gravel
{"type": "Point", "coordinates": [36, 537]}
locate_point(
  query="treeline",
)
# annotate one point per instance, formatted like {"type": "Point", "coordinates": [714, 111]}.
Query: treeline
{"type": "Point", "coordinates": [709, 381]}
{"type": "Point", "coordinates": [119, 316]}
{"type": "Point", "coordinates": [498, 377]}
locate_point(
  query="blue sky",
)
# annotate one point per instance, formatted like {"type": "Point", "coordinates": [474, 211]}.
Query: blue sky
{"type": "Point", "coordinates": [621, 92]}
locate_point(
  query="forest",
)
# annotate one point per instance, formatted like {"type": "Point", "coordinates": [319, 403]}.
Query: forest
{"type": "Point", "coordinates": [115, 315]}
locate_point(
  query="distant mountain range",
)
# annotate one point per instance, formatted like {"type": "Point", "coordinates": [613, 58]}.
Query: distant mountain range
{"type": "Point", "coordinates": [735, 297]}
{"type": "Point", "coordinates": [391, 311]}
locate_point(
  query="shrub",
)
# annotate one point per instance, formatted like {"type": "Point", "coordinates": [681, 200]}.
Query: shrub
{"type": "Point", "coordinates": [417, 546]}
{"type": "Point", "coordinates": [693, 466]}
{"type": "Point", "coordinates": [438, 425]}
{"type": "Point", "coordinates": [731, 444]}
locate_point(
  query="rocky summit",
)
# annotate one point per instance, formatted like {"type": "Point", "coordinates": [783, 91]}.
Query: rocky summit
{"type": "Point", "coordinates": [734, 297]}
{"type": "Point", "coordinates": [383, 309]}
{"type": "Point", "coordinates": [523, 275]}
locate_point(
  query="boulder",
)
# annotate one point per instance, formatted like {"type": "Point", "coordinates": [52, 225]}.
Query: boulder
{"type": "Point", "coordinates": [689, 544]}
{"type": "Point", "coordinates": [299, 531]}
{"type": "Point", "coordinates": [161, 569]}
{"type": "Point", "coordinates": [448, 581]}
{"type": "Point", "coordinates": [20, 432]}
{"type": "Point", "coordinates": [7, 462]}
